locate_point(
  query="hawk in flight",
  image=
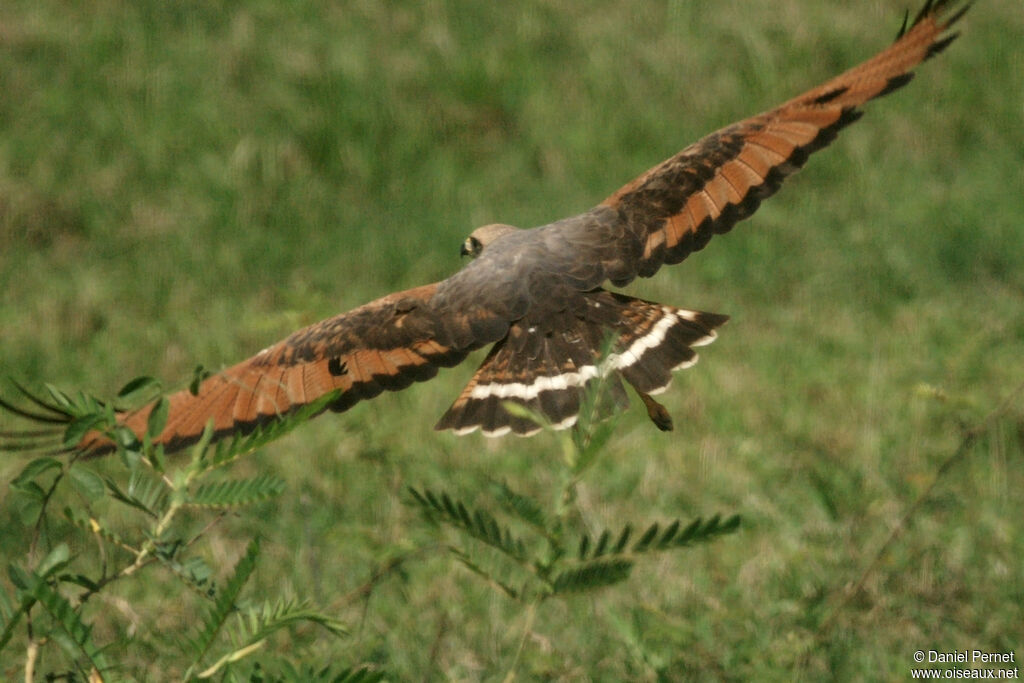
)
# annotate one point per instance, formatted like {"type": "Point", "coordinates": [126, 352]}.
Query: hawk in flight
{"type": "Point", "coordinates": [537, 295]}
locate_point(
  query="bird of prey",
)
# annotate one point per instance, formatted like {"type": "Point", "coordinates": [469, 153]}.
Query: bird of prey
{"type": "Point", "coordinates": [537, 295]}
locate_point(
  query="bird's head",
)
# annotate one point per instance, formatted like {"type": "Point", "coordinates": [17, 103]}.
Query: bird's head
{"type": "Point", "coordinates": [483, 236]}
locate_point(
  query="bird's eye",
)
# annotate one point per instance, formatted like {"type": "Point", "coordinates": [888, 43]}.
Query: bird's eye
{"type": "Point", "coordinates": [471, 247]}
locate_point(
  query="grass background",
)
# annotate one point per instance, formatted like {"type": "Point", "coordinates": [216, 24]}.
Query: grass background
{"type": "Point", "coordinates": [184, 183]}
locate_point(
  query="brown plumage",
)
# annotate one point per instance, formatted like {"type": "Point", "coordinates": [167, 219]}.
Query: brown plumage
{"type": "Point", "coordinates": [536, 294]}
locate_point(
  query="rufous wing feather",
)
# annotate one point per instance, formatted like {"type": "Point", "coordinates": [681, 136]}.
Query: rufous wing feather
{"type": "Point", "coordinates": [383, 346]}
{"type": "Point", "coordinates": [675, 207]}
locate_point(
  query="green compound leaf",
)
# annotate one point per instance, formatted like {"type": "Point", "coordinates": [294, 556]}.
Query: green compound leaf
{"type": "Point", "coordinates": [479, 523]}
{"type": "Point", "coordinates": [34, 469]}
{"type": "Point", "coordinates": [224, 605]}
{"type": "Point", "coordinates": [591, 575]}
{"type": "Point", "coordinates": [87, 482]}
{"type": "Point", "coordinates": [73, 635]}
{"type": "Point", "coordinates": [237, 492]}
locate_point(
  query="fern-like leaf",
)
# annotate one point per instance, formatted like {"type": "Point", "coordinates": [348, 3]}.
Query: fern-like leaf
{"type": "Point", "coordinates": [194, 573]}
{"type": "Point", "coordinates": [259, 623]}
{"type": "Point", "coordinates": [655, 538]}
{"type": "Point", "coordinates": [143, 493]}
{"type": "Point", "coordinates": [73, 635]}
{"type": "Point", "coordinates": [6, 608]}
{"type": "Point", "coordinates": [78, 405]}
{"type": "Point", "coordinates": [94, 526]}
{"type": "Point", "coordinates": [592, 574]}
{"type": "Point", "coordinates": [34, 469]}
{"type": "Point", "coordinates": [12, 620]}
{"type": "Point", "coordinates": [479, 524]}
{"type": "Point", "coordinates": [698, 531]}
{"type": "Point", "coordinates": [78, 427]}
{"type": "Point", "coordinates": [136, 391]}
{"type": "Point", "coordinates": [25, 581]}
{"type": "Point", "coordinates": [86, 482]}
{"type": "Point", "coordinates": [228, 450]}
{"type": "Point", "coordinates": [472, 566]}
{"type": "Point", "coordinates": [25, 601]}
{"type": "Point", "coordinates": [225, 602]}
{"type": "Point", "coordinates": [522, 506]}
{"type": "Point", "coordinates": [237, 492]}
{"type": "Point", "coordinates": [10, 615]}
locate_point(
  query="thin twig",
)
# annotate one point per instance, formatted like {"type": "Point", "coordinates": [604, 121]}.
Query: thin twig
{"type": "Point", "coordinates": [128, 570]}
{"type": "Point", "coordinates": [383, 571]}
{"type": "Point", "coordinates": [435, 647]}
{"type": "Point", "coordinates": [30, 660]}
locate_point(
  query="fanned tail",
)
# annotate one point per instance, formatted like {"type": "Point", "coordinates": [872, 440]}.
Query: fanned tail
{"type": "Point", "coordinates": [547, 371]}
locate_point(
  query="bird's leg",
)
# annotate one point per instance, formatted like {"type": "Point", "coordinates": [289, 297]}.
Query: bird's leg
{"type": "Point", "coordinates": [659, 416]}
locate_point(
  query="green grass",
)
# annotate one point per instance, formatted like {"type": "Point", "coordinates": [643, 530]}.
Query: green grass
{"type": "Point", "coordinates": [184, 183]}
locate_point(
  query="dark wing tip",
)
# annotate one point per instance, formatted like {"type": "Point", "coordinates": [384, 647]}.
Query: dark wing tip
{"type": "Point", "coordinates": [933, 8]}
{"type": "Point", "coordinates": [903, 26]}
{"type": "Point", "coordinates": [895, 83]}
{"type": "Point", "coordinates": [927, 9]}
{"type": "Point", "coordinates": [940, 45]}
{"type": "Point", "coordinates": [958, 15]}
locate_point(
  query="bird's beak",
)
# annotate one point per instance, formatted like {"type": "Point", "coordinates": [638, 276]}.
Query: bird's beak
{"type": "Point", "coordinates": [464, 250]}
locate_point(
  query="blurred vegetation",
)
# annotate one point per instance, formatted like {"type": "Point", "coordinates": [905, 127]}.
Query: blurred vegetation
{"type": "Point", "coordinates": [184, 183]}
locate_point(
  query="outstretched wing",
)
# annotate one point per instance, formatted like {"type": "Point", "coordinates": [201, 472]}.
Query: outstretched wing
{"type": "Point", "coordinates": [674, 208]}
{"type": "Point", "coordinates": [385, 345]}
